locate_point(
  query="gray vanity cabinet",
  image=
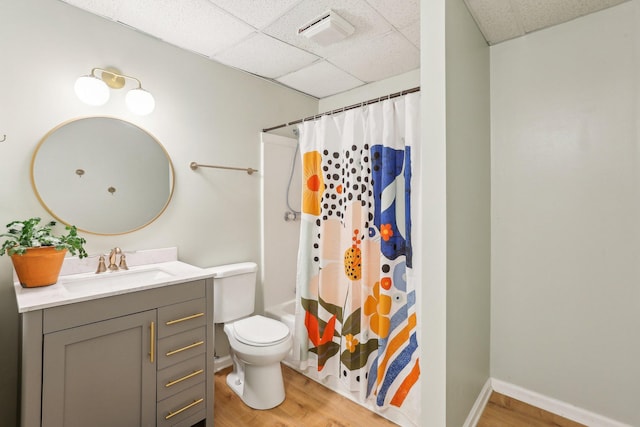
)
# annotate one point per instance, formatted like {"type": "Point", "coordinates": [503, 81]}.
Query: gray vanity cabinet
{"type": "Point", "coordinates": [140, 359]}
{"type": "Point", "coordinates": [100, 374]}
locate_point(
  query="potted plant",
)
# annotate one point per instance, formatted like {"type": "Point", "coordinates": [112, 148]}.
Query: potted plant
{"type": "Point", "coordinates": [37, 253]}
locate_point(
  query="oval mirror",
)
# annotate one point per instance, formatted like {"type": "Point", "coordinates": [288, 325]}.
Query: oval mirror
{"type": "Point", "coordinates": [103, 175]}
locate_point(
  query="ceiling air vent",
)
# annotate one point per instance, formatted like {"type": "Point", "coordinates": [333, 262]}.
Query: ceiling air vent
{"type": "Point", "coordinates": [327, 28]}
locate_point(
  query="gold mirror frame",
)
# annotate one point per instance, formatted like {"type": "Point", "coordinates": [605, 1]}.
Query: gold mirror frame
{"type": "Point", "coordinates": [77, 153]}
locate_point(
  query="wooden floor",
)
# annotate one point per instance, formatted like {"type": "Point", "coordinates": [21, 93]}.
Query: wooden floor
{"type": "Point", "coordinates": [309, 404]}
{"type": "Point", "coordinates": [504, 411]}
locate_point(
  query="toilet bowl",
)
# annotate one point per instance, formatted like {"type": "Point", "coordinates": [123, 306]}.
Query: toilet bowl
{"type": "Point", "coordinates": [257, 344]}
{"type": "Point", "coordinates": [257, 375]}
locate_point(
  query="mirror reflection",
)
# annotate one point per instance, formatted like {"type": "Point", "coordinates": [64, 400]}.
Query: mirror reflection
{"type": "Point", "coordinates": [103, 175]}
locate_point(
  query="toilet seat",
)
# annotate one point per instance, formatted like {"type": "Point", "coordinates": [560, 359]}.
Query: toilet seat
{"type": "Point", "coordinates": [260, 331]}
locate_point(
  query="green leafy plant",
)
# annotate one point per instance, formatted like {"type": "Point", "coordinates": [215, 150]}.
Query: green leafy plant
{"type": "Point", "coordinates": [23, 235]}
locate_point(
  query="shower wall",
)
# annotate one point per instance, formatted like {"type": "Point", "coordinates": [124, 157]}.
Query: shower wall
{"type": "Point", "coordinates": [279, 237]}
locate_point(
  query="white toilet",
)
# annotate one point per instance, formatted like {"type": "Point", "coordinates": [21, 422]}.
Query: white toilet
{"type": "Point", "coordinates": [258, 344]}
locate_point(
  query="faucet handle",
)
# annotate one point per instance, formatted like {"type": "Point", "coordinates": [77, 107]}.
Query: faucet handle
{"type": "Point", "coordinates": [123, 262]}
{"type": "Point", "coordinates": [101, 265]}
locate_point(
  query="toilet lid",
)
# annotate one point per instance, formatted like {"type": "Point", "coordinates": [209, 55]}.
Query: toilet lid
{"type": "Point", "coordinates": [260, 331]}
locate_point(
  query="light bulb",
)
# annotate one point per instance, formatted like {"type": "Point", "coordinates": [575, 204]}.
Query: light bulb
{"type": "Point", "coordinates": [91, 90]}
{"type": "Point", "coordinates": [140, 102]}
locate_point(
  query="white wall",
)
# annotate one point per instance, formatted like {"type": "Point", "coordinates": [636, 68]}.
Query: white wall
{"type": "Point", "coordinates": [565, 212]}
{"type": "Point", "coordinates": [370, 91]}
{"type": "Point", "coordinates": [205, 112]}
{"type": "Point", "coordinates": [280, 238]}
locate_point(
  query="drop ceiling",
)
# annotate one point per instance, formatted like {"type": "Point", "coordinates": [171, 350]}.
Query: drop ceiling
{"type": "Point", "coordinates": [261, 37]}
{"type": "Point", "coordinates": [501, 20]}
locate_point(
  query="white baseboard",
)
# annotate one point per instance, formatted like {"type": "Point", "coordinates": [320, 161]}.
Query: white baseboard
{"type": "Point", "coordinates": [552, 405]}
{"type": "Point", "coordinates": [221, 362]}
{"type": "Point", "coordinates": [478, 407]}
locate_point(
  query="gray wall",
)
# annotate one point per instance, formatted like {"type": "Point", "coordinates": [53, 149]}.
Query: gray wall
{"type": "Point", "coordinates": [468, 212]}
{"type": "Point", "coordinates": [455, 161]}
{"type": "Point", "coordinates": [205, 112]}
{"type": "Point", "coordinates": [565, 294]}
{"type": "Point", "coordinates": [431, 247]}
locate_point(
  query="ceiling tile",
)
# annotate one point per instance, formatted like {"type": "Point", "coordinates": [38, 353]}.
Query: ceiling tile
{"type": "Point", "coordinates": [265, 56]}
{"type": "Point", "coordinates": [399, 13]}
{"type": "Point", "coordinates": [260, 36]}
{"type": "Point", "coordinates": [412, 32]}
{"type": "Point", "coordinates": [320, 79]}
{"type": "Point", "coordinates": [365, 19]}
{"type": "Point", "coordinates": [496, 19]}
{"type": "Point", "coordinates": [195, 25]}
{"type": "Point", "coordinates": [258, 13]}
{"type": "Point", "coordinates": [537, 14]}
{"type": "Point", "coordinates": [378, 58]}
{"type": "Point", "coordinates": [106, 8]}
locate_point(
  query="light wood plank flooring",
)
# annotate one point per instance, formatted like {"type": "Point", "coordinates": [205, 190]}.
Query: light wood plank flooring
{"type": "Point", "coordinates": [504, 411]}
{"type": "Point", "coordinates": [309, 404]}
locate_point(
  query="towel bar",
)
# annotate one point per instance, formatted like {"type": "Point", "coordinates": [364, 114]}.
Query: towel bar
{"type": "Point", "coordinates": [194, 166]}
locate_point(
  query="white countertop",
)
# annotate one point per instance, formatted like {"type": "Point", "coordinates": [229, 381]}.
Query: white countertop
{"type": "Point", "coordinates": [79, 285]}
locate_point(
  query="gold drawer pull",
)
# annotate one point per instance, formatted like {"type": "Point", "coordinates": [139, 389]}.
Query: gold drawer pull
{"type": "Point", "coordinates": [193, 316]}
{"type": "Point", "coordinates": [186, 377]}
{"type": "Point", "coordinates": [190, 405]}
{"type": "Point", "coordinates": [152, 342]}
{"type": "Point", "coordinates": [195, 344]}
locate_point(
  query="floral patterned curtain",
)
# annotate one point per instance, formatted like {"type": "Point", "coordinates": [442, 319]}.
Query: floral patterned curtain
{"type": "Point", "coordinates": [356, 317]}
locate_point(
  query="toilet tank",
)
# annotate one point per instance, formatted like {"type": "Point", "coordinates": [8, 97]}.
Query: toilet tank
{"type": "Point", "coordinates": [234, 291]}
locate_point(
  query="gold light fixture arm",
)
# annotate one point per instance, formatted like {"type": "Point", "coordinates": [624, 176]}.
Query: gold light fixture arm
{"type": "Point", "coordinates": [113, 78]}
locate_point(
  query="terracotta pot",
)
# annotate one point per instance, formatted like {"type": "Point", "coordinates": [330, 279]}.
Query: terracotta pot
{"type": "Point", "coordinates": [38, 266]}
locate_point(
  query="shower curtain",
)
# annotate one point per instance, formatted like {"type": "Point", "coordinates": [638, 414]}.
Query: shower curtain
{"type": "Point", "coordinates": [356, 312]}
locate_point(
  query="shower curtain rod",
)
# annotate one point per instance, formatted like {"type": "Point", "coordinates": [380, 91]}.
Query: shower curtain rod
{"type": "Point", "coordinates": [350, 107]}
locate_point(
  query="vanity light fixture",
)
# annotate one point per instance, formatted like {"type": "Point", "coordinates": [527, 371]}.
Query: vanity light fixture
{"type": "Point", "coordinates": [93, 89]}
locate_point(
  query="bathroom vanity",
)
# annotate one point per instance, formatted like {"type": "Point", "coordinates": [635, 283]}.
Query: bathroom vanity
{"type": "Point", "coordinates": [126, 348]}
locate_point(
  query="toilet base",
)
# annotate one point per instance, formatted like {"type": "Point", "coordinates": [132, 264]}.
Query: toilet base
{"type": "Point", "coordinates": [262, 386]}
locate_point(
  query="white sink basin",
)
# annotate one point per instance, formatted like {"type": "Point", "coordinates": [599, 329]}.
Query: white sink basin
{"type": "Point", "coordinates": [117, 280]}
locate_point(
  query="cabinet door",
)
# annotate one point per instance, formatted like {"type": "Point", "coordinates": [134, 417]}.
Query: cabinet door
{"type": "Point", "coordinates": [101, 374]}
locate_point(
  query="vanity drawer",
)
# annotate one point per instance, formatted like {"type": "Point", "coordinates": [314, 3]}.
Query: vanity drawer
{"type": "Point", "coordinates": [181, 376]}
{"type": "Point", "coordinates": [180, 347]}
{"type": "Point", "coordinates": [182, 406]}
{"type": "Point", "coordinates": [95, 310]}
{"type": "Point", "coordinates": [181, 317]}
